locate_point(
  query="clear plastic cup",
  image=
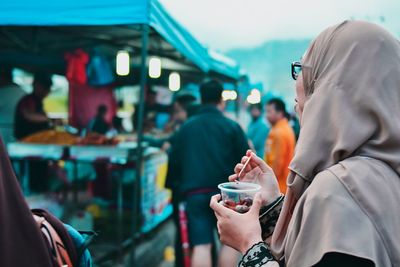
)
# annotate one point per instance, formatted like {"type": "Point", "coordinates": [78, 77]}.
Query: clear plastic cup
{"type": "Point", "coordinates": [238, 196]}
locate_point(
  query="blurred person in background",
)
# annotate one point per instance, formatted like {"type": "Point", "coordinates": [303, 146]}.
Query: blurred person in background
{"type": "Point", "coordinates": [151, 109]}
{"type": "Point", "coordinates": [258, 129]}
{"type": "Point", "coordinates": [279, 147]}
{"type": "Point", "coordinates": [99, 123]}
{"type": "Point", "coordinates": [181, 105]}
{"type": "Point", "coordinates": [180, 114]}
{"type": "Point", "coordinates": [10, 94]}
{"type": "Point", "coordinates": [205, 150]}
{"type": "Point", "coordinates": [30, 116]}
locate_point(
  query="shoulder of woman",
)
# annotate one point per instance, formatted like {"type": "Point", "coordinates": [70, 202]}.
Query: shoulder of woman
{"type": "Point", "coordinates": [327, 218]}
{"type": "Point", "coordinates": [324, 187]}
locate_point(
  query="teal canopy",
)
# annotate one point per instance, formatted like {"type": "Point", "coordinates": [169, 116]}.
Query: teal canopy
{"type": "Point", "coordinates": [44, 13]}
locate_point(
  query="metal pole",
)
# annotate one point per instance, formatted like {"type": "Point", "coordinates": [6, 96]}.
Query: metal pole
{"type": "Point", "coordinates": [120, 216]}
{"type": "Point", "coordinates": [237, 103]}
{"type": "Point", "coordinates": [139, 156]}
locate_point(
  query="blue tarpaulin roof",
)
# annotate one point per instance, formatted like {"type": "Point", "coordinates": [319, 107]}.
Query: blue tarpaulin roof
{"type": "Point", "coordinates": [114, 12]}
{"type": "Point", "coordinates": [223, 64]}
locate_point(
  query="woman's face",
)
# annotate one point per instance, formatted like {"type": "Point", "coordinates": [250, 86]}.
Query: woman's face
{"type": "Point", "coordinates": [300, 96]}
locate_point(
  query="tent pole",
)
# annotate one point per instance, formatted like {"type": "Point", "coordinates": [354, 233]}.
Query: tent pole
{"type": "Point", "coordinates": [136, 211]}
{"type": "Point", "coordinates": [237, 103]}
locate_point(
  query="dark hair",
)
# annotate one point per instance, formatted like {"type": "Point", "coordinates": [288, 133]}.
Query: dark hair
{"type": "Point", "coordinates": [185, 100]}
{"type": "Point", "coordinates": [256, 106]}
{"type": "Point", "coordinates": [211, 92]}
{"type": "Point", "coordinates": [44, 79]}
{"type": "Point", "coordinates": [278, 104]}
{"type": "Point", "coordinates": [102, 109]}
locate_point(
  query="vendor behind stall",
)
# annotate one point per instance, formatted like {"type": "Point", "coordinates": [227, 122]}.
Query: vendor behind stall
{"type": "Point", "coordinates": [184, 104]}
{"type": "Point", "coordinates": [181, 109]}
{"type": "Point", "coordinates": [30, 117]}
{"type": "Point", "coordinates": [99, 123]}
{"type": "Point", "coordinates": [152, 109]}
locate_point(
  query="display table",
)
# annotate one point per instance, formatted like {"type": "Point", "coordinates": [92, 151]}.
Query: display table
{"type": "Point", "coordinates": [155, 199]}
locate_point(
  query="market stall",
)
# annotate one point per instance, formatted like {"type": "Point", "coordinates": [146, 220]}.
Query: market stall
{"type": "Point", "coordinates": [121, 160]}
{"type": "Point", "coordinates": [37, 36]}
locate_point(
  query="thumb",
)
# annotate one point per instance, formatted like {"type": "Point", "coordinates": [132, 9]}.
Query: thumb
{"type": "Point", "coordinates": [257, 203]}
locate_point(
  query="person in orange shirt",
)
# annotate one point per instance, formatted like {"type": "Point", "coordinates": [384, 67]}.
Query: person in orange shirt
{"type": "Point", "coordinates": [280, 144]}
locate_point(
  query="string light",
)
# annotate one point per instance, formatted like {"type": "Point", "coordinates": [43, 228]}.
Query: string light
{"type": "Point", "coordinates": [122, 63]}
{"type": "Point", "coordinates": [155, 67]}
{"type": "Point", "coordinates": [174, 81]}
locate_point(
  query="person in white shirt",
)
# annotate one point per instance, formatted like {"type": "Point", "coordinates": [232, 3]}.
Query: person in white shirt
{"type": "Point", "coordinates": [10, 94]}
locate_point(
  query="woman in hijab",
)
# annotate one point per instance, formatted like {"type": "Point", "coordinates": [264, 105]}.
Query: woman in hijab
{"type": "Point", "coordinates": [342, 203]}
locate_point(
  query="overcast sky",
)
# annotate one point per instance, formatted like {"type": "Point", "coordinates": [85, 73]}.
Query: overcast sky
{"type": "Point", "coordinates": [227, 24]}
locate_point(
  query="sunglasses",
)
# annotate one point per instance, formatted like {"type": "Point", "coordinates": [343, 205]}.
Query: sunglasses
{"type": "Point", "coordinates": [296, 69]}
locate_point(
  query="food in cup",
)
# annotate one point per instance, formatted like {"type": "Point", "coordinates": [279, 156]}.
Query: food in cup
{"type": "Point", "coordinates": [238, 196]}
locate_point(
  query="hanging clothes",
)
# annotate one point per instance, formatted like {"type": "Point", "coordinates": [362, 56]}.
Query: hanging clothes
{"type": "Point", "coordinates": [99, 71]}
{"type": "Point", "coordinates": [76, 66]}
{"type": "Point", "coordinates": [84, 101]}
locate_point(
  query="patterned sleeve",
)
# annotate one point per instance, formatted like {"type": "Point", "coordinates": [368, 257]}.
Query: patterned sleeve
{"type": "Point", "coordinates": [258, 256]}
{"type": "Point", "coordinates": [269, 216]}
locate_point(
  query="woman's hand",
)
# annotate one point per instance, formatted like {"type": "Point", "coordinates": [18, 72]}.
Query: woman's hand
{"type": "Point", "coordinates": [239, 231]}
{"type": "Point", "coordinates": [257, 171]}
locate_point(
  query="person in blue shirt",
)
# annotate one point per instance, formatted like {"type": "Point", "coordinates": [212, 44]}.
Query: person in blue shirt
{"type": "Point", "coordinates": [258, 129]}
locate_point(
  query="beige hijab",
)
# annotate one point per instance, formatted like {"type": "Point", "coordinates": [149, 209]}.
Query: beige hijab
{"type": "Point", "coordinates": [351, 75]}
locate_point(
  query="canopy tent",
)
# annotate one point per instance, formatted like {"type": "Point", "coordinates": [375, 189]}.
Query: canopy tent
{"type": "Point", "coordinates": [47, 26]}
